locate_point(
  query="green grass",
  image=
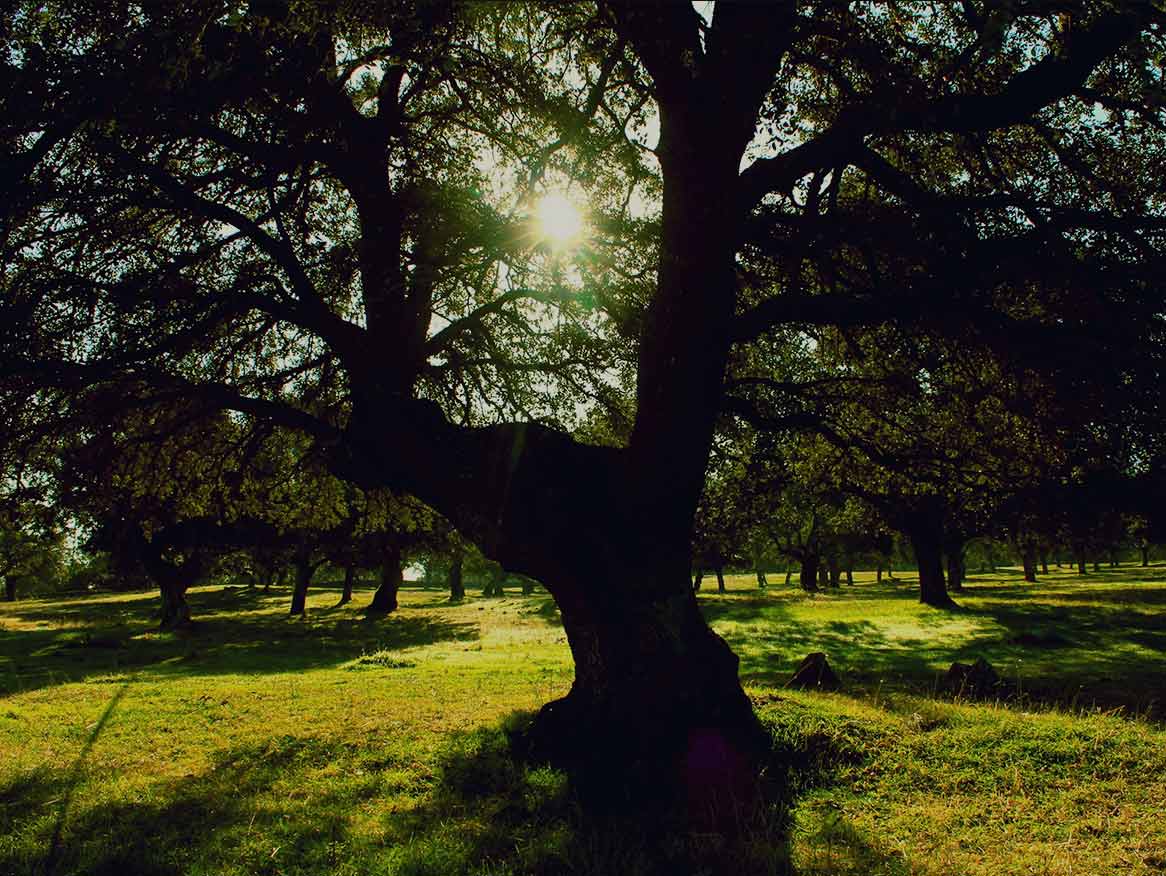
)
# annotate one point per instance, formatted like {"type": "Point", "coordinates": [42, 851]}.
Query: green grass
{"type": "Point", "coordinates": [341, 744]}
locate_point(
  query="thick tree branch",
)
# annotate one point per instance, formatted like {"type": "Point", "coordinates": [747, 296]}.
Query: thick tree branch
{"type": "Point", "coordinates": [1055, 76]}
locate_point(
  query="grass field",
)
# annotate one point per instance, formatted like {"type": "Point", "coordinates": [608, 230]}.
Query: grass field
{"type": "Point", "coordinates": [343, 745]}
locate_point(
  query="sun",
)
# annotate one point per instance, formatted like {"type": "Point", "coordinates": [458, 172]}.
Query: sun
{"type": "Point", "coordinates": [560, 222]}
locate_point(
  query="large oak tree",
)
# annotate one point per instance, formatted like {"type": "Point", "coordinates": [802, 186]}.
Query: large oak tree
{"type": "Point", "coordinates": [299, 212]}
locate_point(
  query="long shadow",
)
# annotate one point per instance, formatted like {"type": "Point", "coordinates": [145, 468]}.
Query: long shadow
{"type": "Point", "coordinates": [239, 632]}
{"type": "Point", "coordinates": [220, 814]}
{"type": "Point", "coordinates": [262, 808]}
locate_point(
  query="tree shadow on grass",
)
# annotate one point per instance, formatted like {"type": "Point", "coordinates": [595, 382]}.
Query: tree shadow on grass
{"type": "Point", "coordinates": [230, 817]}
{"type": "Point", "coordinates": [303, 805]}
{"type": "Point", "coordinates": [239, 633]}
{"type": "Point", "coordinates": [491, 811]}
{"type": "Point", "coordinates": [863, 652]}
{"type": "Point", "coordinates": [1080, 655]}
{"type": "Point", "coordinates": [1058, 643]}
{"type": "Point", "coordinates": [544, 608]}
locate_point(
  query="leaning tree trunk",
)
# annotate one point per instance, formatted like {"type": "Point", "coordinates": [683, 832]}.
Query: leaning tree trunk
{"type": "Point", "coordinates": [303, 569]}
{"type": "Point", "coordinates": [789, 572]}
{"type": "Point", "coordinates": [696, 579]}
{"type": "Point", "coordinates": [384, 600]}
{"type": "Point", "coordinates": [927, 540]}
{"type": "Point", "coordinates": [349, 577]}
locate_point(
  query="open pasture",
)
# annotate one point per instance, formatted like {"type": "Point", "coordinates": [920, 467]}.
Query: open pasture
{"type": "Point", "coordinates": [342, 744]}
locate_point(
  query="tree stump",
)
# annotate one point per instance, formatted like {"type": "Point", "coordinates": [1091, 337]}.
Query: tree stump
{"type": "Point", "coordinates": [814, 673]}
{"type": "Point", "coordinates": [973, 679]}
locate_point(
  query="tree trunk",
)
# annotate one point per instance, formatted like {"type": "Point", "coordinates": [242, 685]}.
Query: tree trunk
{"type": "Point", "coordinates": [1145, 549]}
{"type": "Point", "coordinates": [457, 587]}
{"type": "Point", "coordinates": [823, 576]}
{"type": "Point", "coordinates": [303, 569]}
{"type": "Point", "coordinates": [1044, 562]}
{"type": "Point", "coordinates": [927, 540]}
{"type": "Point", "coordinates": [879, 574]}
{"type": "Point", "coordinates": [173, 580]}
{"type": "Point", "coordinates": [762, 582]}
{"type": "Point", "coordinates": [349, 578]}
{"type": "Point", "coordinates": [955, 565]}
{"type": "Point", "coordinates": [696, 579]}
{"type": "Point", "coordinates": [835, 572]}
{"type": "Point", "coordinates": [789, 573]}
{"type": "Point", "coordinates": [608, 531]}
{"type": "Point", "coordinates": [175, 609]}
{"type": "Point", "coordinates": [656, 705]}
{"type": "Point", "coordinates": [493, 585]}
{"type": "Point", "coordinates": [9, 588]}
{"type": "Point", "coordinates": [849, 577]}
{"type": "Point", "coordinates": [1028, 557]}
{"type": "Point", "coordinates": [385, 598]}
{"type": "Point", "coordinates": [808, 576]}
{"type": "Point", "coordinates": [720, 570]}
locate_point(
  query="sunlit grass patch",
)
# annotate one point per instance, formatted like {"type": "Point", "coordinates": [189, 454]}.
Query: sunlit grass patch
{"type": "Point", "coordinates": [342, 744]}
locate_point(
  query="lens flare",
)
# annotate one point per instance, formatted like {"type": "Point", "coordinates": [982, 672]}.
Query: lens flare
{"type": "Point", "coordinates": [560, 222]}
